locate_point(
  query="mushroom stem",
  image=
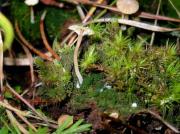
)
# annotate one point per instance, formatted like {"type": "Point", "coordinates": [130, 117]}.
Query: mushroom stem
{"type": "Point", "coordinates": [123, 27]}
{"type": "Point", "coordinates": [32, 15]}
{"type": "Point", "coordinates": [78, 74]}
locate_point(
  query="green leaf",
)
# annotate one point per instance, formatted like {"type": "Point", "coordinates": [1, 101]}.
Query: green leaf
{"type": "Point", "coordinates": [4, 130]}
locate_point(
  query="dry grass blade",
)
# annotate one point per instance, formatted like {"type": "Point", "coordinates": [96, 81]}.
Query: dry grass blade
{"type": "Point", "coordinates": [15, 123]}
{"type": "Point", "coordinates": [24, 101]}
{"type": "Point", "coordinates": [8, 106]}
{"type": "Point", "coordinates": [26, 121]}
{"type": "Point", "coordinates": [1, 63]}
{"type": "Point", "coordinates": [155, 23]}
{"type": "Point", "coordinates": [135, 24]}
{"type": "Point", "coordinates": [91, 11]}
{"type": "Point", "coordinates": [21, 116]}
{"type": "Point", "coordinates": [158, 17]}
{"type": "Point", "coordinates": [30, 58]}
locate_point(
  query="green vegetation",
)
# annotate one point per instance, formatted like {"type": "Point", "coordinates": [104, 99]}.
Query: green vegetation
{"type": "Point", "coordinates": [121, 71]}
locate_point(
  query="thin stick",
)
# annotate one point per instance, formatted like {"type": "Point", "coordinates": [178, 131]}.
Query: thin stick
{"type": "Point", "coordinates": [104, 11]}
{"type": "Point", "coordinates": [19, 113]}
{"type": "Point", "coordinates": [162, 120]}
{"type": "Point", "coordinates": [53, 3]}
{"type": "Point", "coordinates": [80, 12]}
{"type": "Point", "coordinates": [91, 11]}
{"type": "Point", "coordinates": [43, 36]}
{"type": "Point", "coordinates": [25, 102]}
{"type": "Point", "coordinates": [15, 123]}
{"type": "Point", "coordinates": [8, 106]}
{"type": "Point", "coordinates": [27, 44]}
{"type": "Point", "coordinates": [155, 23]}
{"type": "Point", "coordinates": [30, 58]}
{"type": "Point", "coordinates": [26, 121]}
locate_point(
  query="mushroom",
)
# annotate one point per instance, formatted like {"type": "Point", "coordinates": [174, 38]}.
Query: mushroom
{"type": "Point", "coordinates": [127, 7]}
{"type": "Point", "coordinates": [80, 31]}
{"type": "Point", "coordinates": [31, 3]}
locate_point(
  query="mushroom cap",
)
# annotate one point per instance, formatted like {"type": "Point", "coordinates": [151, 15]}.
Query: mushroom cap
{"type": "Point", "coordinates": [127, 6]}
{"type": "Point", "coordinates": [31, 2]}
{"type": "Point", "coordinates": [78, 29]}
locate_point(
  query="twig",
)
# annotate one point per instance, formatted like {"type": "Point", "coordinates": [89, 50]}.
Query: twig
{"type": "Point", "coordinates": [43, 36]}
{"type": "Point", "coordinates": [72, 41]}
{"type": "Point", "coordinates": [15, 123]}
{"type": "Point", "coordinates": [91, 11]}
{"type": "Point", "coordinates": [155, 23]}
{"type": "Point", "coordinates": [104, 11]}
{"type": "Point", "coordinates": [26, 121]}
{"type": "Point", "coordinates": [25, 42]}
{"type": "Point", "coordinates": [49, 120]}
{"type": "Point", "coordinates": [8, 106]}
{"type": "Point", "coordinates": [67, 37]}
{"type": "Point", "coordinates": [53, 3]}
{"type": "Point", "coordinates": [30, 58]}
{"type": "Point", "coordinates": [80, 12]}
{"type": "Point", "coordinates": [25, 102]}
{"type": "Point", "coordinates": [162, 120]}
{"type": "Point", "coordinates": [19, 113]}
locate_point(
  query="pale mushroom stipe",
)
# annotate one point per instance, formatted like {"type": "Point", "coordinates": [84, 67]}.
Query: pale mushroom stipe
{"type": "Point", "coordinates": [31, 3]}
{"type": "Point", "coordinates": [81, 31]}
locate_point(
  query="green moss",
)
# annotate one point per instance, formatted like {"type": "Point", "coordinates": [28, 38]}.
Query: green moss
{"type": "Point", "coordinates": [56, 80]}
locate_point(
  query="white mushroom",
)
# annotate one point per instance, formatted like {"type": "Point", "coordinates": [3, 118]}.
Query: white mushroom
{"type": "Point", "coordinates": [81, 31]}
{"type": "Point", "coordinates": [78, 29]}
{"type": "Point", "coordinates": [31, 3]}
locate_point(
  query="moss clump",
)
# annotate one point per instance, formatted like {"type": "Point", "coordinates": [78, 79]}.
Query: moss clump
{"type": "Point", "coordinates": [135, 74]}
{"type": "Point", "coordinates": [56, 80]}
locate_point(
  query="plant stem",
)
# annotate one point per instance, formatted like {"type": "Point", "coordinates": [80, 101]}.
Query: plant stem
{"type": "Point", "coordinates": [155, 23]}
{"type": "Point", "coordinates": [1, 65]}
